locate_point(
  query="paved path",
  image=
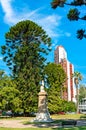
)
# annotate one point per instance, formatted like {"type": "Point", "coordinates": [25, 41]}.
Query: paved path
{"type": "Point", "coordinates": [19, 124]}
{"type": "Point", "coordinates": [12, 124]}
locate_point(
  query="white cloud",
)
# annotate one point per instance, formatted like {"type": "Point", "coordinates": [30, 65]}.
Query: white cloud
{"type": "Point", "coordinates": [9, 14]}
{"type": "Point", "coordinates": [12, 16]}
{"type": "Point", "coordinates": [49, 23]}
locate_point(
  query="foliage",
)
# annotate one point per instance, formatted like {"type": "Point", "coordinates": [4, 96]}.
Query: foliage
{"type": "Point", "coordinates": [10, 99]}
{"type": "Point", "coordinates": [8, 93]}
{"type": "Point", "coordinates": [82, 92]}
{"type": "Point", "coordinates": [69, 106]}
{"type": "Point", "coordinates": [77, 77]}
{"type": "Point", "coordinates": [27, 44]}
{"type": "Point", "coordinates": [73, 14]}
{"type": "Point", "coordinates": [54, 74]}
{"type": "Point", "coordinates": [5, 81]}
{"type": "Point", "coordinates": [55, 77]}
{"type": "Point", "coordinates": [54, 101]}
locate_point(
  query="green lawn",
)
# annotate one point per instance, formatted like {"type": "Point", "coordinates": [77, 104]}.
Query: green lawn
{"type": "Point", "coordinates": [73, 128]}
{"type": "Point", "coordinates": [69, 116]}
{"type": "Point", "coordinates": [58, 118]}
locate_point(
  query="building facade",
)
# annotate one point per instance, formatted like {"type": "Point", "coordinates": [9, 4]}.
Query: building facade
{"type": "Point", "coordinates": [82, 106]}
{"type": "Point", "coordinates": [60, 57]}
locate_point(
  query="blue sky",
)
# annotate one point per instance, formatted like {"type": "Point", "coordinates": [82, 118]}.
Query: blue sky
{"type": "Point", "coordinates": [54, 22]}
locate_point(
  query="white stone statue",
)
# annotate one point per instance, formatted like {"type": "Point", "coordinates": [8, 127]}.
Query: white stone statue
{"type": "Point", "coordinates": [42, 87]}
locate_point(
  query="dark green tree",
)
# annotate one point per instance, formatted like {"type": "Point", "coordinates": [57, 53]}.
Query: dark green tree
{"type": "Point", "coordinates": [73, 14]}
{"type": "Point", "coordinates": [27, 44]}
{"type": "Point", "coordinates": [55, 77]}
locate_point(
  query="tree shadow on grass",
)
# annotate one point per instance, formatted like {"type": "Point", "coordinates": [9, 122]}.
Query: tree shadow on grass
{"type": "Point", "coordinates": [55, 125]}
{"type": "Point", "coordinates": [71, 128]}
{"type": "Point", "coordinates": [51, 125]}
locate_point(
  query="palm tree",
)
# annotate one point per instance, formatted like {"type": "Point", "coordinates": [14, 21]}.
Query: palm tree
{"type": "Point", "coordinates": [77, 78]}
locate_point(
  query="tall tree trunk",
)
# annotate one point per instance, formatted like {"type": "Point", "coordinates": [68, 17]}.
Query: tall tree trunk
{"type": "Point", "coordinates": [77, 99]}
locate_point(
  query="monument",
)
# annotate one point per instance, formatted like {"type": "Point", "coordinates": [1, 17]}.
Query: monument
{"type": "Point", "coordinates": [43, 113]}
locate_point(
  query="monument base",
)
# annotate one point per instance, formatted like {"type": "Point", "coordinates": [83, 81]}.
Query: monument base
{"type": "Point", "coordinates": [42, 117]}
{"type": "Point", "coordinates": [43, 114]}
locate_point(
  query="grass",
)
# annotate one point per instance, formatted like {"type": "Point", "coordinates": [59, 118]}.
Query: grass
{"type": "Point", "coordinates": [68, 116]}
{"type": "Point", "coordinates": [73, 128]}
{"type": "Point", "coordinates": [25, 128]}
{"type": "Point", "coordinates": [57, 118]}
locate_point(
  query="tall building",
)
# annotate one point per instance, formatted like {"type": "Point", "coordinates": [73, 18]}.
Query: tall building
{"type": "Point", "coordinates": [60, 57]}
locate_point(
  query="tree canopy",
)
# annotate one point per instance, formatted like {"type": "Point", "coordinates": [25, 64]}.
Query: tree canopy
{"type": "Point", "coordinates": [26, 46]}
{"type": "Point", "coordinates": [9, 94]}
{"type": "Point", "coordinates": [74, 14]}
{"type": "Point", "coordinates": [55, 77]}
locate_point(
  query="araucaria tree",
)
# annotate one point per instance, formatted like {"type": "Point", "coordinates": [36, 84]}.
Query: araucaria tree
{"type": "Point", "coordinates": [26, 45]}
{"type": "Point", "coordinates": [73, 14]}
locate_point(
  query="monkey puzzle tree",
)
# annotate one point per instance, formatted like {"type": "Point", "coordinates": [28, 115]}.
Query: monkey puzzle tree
{"type": "Point", "coordinates": [26, 45]}
{"type": "Point", "coordinates": [73, 14]}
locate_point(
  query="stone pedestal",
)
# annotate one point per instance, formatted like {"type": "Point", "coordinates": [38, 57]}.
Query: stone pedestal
{"type": "Point", "coordinates": [43, 114]}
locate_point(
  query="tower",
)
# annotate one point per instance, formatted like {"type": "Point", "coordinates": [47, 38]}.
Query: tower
{"type": "Point", "coordinates": [60, 56]}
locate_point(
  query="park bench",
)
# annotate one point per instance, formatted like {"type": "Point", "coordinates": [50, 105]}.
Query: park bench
{"type": "Point", "coordinates": [69, 122]}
